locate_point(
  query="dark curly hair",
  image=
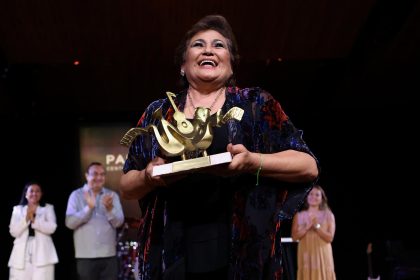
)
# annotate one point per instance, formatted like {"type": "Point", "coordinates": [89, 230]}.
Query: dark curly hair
{"type": "Point", "coordinates": [211, 22]}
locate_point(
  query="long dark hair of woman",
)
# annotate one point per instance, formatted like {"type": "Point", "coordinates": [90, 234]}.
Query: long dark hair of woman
{"type": "Point", "coordinates": [24, 201]}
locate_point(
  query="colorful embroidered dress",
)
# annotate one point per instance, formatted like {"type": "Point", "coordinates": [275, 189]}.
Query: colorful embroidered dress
{"type": "Point", "coordinates": [233, 215]}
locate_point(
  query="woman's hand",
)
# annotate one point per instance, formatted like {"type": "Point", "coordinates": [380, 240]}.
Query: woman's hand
{"type": "Point", "coordinates": [30, 213]}
{"type": "Point", "coordinates": [243, 161]}
{"type": "Point", "coordinates": [160, 181]}
{"type": "Point", "coordinates": [135, 184]}
{"type": "Point", "coordinates": [150, 180]}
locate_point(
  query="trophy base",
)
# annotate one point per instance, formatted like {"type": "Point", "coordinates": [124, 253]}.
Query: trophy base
{"type": "Point", "coordinates": [191, 164]}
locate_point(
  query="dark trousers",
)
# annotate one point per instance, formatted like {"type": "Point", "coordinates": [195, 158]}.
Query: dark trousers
{"type": "Point", "coordinates": [97, 268]}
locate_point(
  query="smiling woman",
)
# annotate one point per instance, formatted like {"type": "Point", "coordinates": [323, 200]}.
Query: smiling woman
{"type": "Point", "coordinates": [32, 224]}
{"type": "Point", "coordinates": [207, 61]}
{"type": "Point", "coordinates": [207, 224]}
{"type": "Point", "coordinates": [314, 227]}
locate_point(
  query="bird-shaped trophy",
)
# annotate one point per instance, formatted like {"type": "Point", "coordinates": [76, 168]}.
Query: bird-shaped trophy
{"type": "Point", "coordinates": [182, 136]}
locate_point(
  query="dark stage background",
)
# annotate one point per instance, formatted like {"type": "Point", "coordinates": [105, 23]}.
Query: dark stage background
{"type": "Point", "coordinates": [346, 72]}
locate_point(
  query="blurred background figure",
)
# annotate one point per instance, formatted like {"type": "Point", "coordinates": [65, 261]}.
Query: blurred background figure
{"type": "Point", "coordinates": [314, 228]}
{"type": "Point", "coordinates": [94, 213]}
{"type": "Point", "coordinates": [33, 221]}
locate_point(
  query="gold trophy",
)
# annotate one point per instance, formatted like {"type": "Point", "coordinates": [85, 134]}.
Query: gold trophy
{"type": "Point", "coordinates": [185, 136]}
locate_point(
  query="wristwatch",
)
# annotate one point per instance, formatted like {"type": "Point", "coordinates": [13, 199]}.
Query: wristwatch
{"type": "Point", "coordinates": [317, 226]}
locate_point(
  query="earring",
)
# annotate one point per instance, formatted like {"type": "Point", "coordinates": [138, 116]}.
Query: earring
{"type": "Point", "coordinates": [182, 72]}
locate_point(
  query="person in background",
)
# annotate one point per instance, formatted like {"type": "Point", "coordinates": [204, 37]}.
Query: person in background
{"type": "Point", "coordinates": [33, 222]}
{"type": "Point", "coordinates": [314, 228]}
{"type": "Point", "coordinates": [222, 222]}
{"type": "Point", "coordinates": [94, 213]}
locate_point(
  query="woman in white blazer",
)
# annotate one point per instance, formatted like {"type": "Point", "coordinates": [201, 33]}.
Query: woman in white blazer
{"type": "Point", "coordinates": [33, 255]}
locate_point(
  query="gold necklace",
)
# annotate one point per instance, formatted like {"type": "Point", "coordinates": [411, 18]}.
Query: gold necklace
{"type": "Point", "coordinates": [212, 104]}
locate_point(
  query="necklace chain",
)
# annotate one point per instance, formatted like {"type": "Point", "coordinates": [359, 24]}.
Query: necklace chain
{"type": "Point", "coordinates": [212, 104]}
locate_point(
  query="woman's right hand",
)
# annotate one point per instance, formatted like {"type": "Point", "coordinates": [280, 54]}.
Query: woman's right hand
{"type": "Point", "coordinates": [150, 180]}
{"type": "Point", "coordinates": [159, 181]}
{"type": "Point", "coordinates": [135, 184]}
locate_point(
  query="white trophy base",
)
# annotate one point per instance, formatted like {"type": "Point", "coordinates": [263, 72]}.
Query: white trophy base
{"type": "Point", "coordinates": [191, 164]}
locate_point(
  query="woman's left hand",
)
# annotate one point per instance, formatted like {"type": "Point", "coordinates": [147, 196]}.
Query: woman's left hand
{"type": "Point", "coordinates": [243, 161]}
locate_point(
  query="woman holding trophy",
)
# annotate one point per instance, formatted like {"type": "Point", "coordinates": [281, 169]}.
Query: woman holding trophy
{"type": "Point", "coordinates": [221, 222]}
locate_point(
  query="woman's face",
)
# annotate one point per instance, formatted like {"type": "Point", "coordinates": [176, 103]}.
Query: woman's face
{"type": "Point", "coordinates": [315, 197]}
{"type": "Point", "coordinates": [207, 59]}
{"type": "Point", "coordinates": [33, 194]}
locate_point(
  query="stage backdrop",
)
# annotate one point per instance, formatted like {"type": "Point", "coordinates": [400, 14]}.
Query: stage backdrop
{"type": "Point", "coordinates": [101, 143]}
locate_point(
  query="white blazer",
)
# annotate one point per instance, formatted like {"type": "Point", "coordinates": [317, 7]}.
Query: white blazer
{"type": "Point", "coordinates": [44, 225]}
